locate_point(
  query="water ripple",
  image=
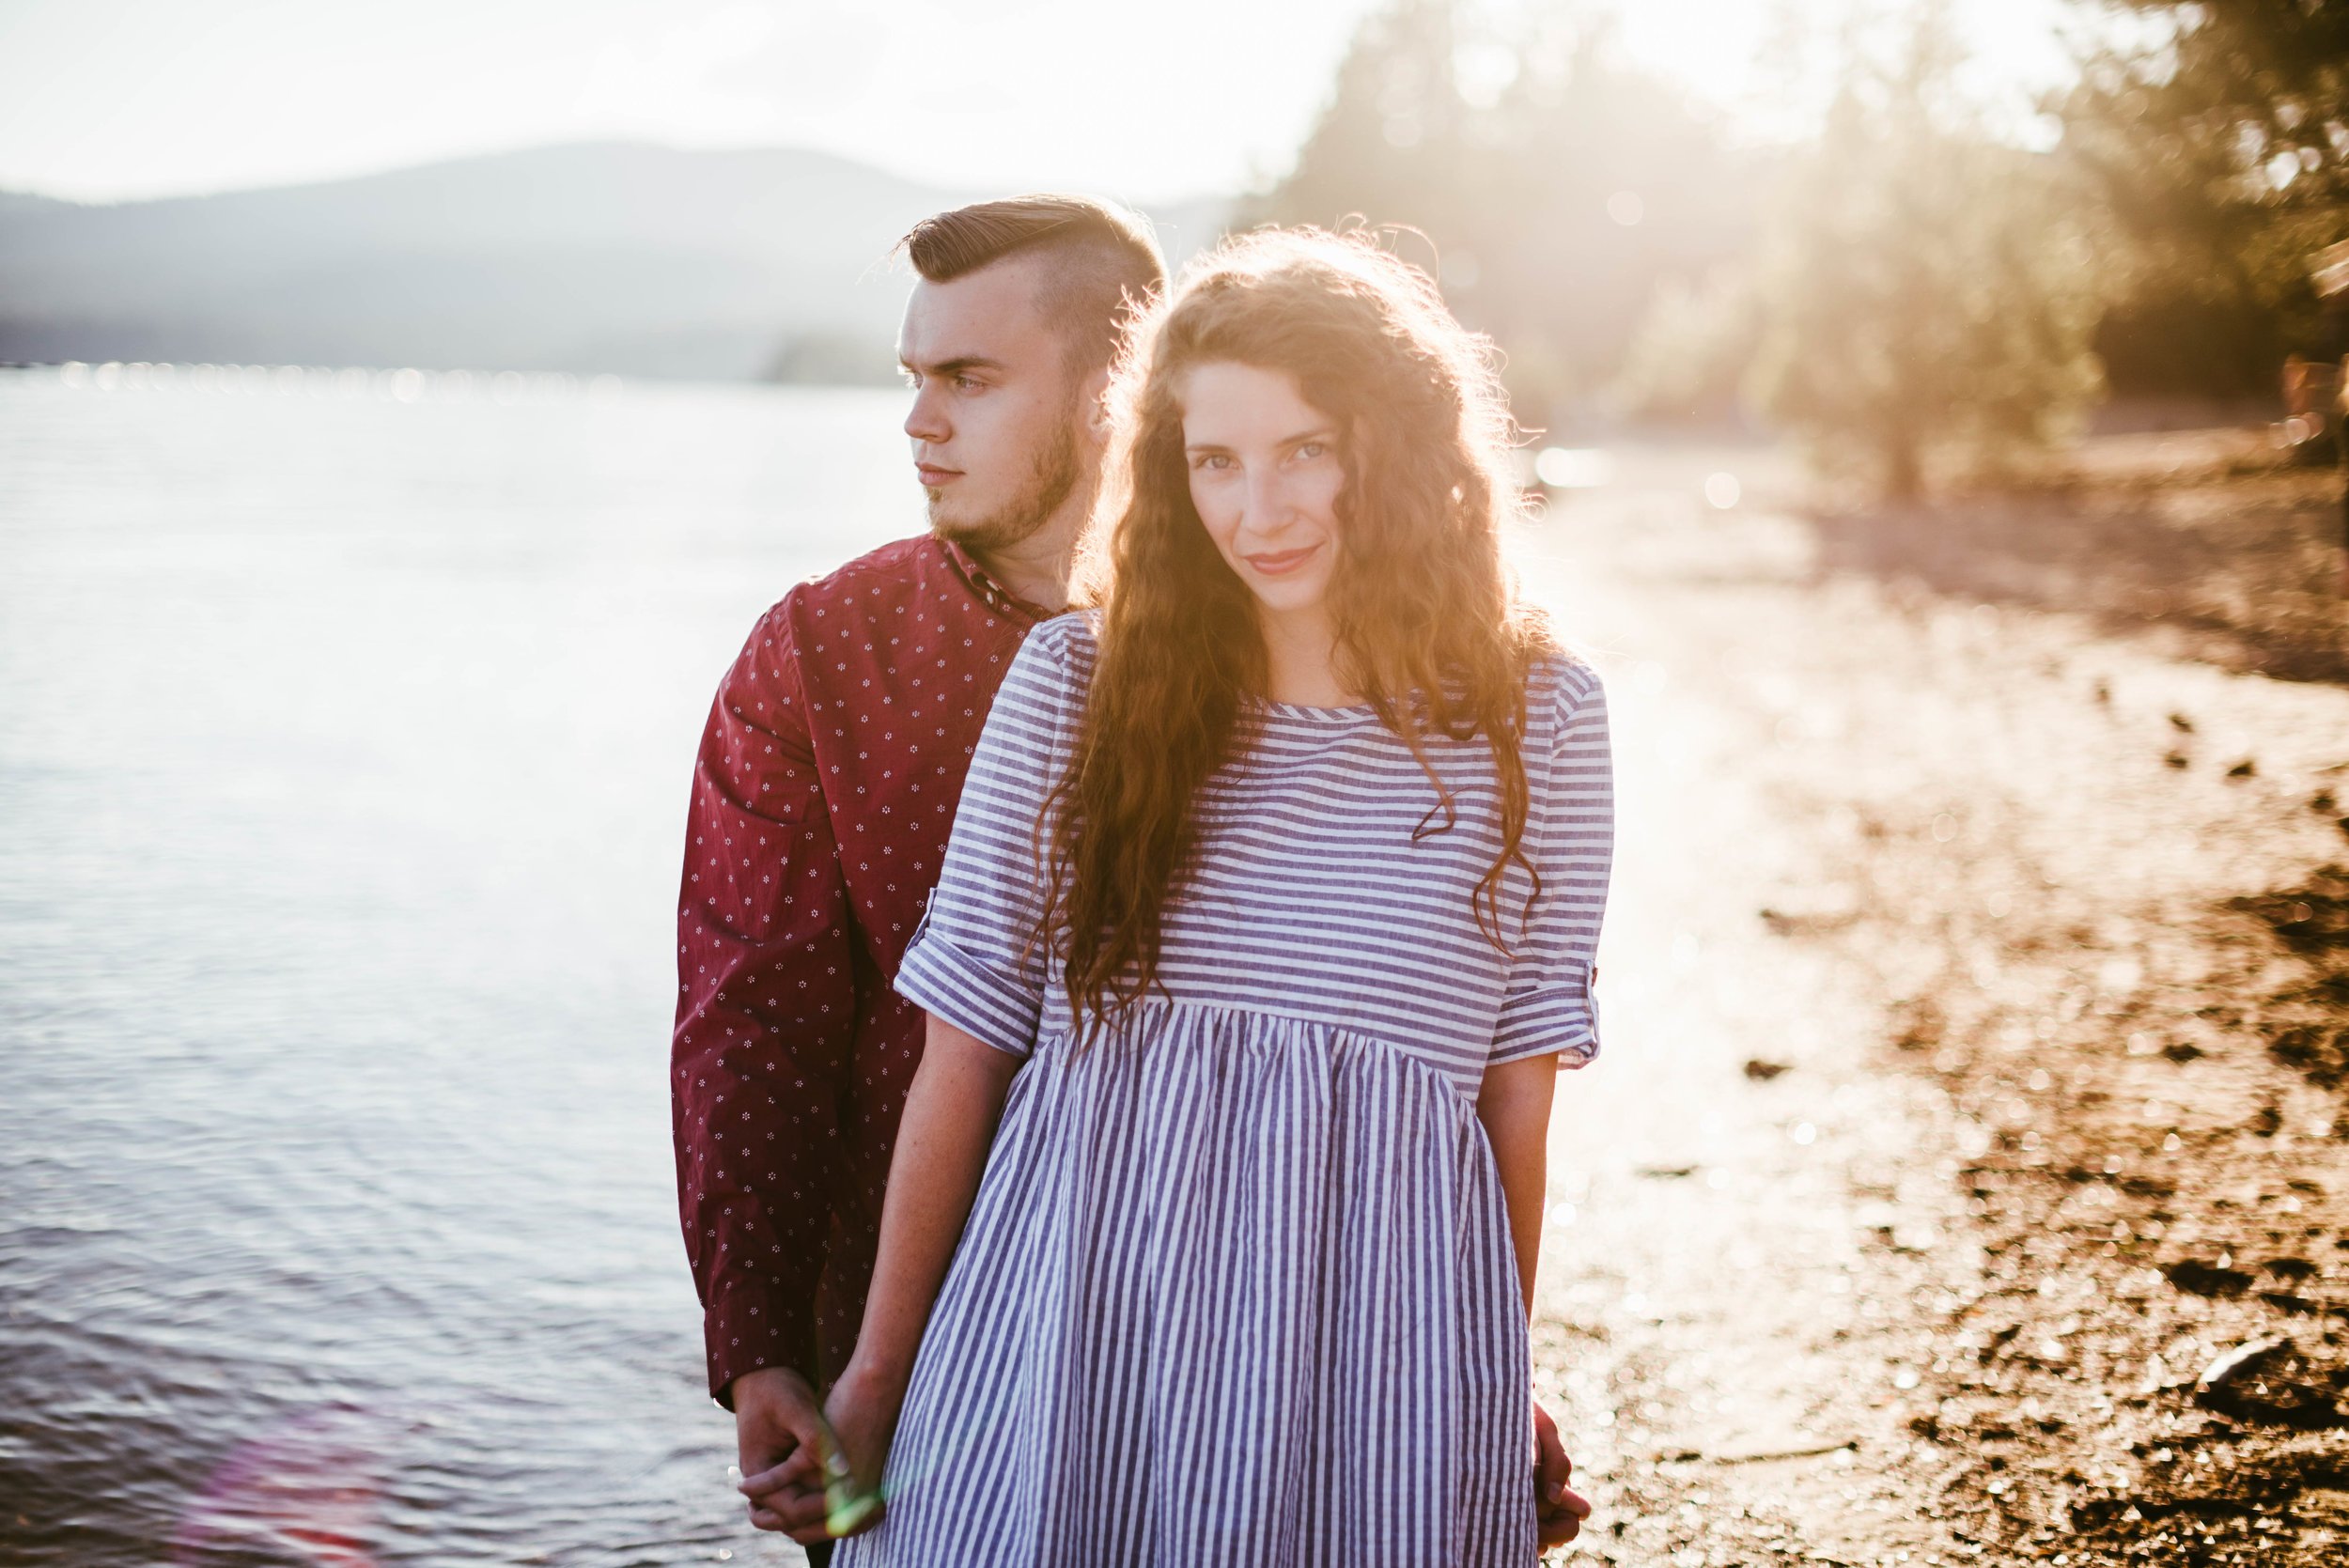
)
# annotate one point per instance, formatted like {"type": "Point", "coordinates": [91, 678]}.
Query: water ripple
{"type": "Point", "coordinates": [342, 754]}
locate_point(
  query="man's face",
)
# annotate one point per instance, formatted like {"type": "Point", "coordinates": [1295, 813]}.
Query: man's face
{"type": "Point", "coordinates": [995, 412]}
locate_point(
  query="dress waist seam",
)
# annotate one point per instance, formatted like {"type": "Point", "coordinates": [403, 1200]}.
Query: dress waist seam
{"type": "Point", "coordinates": [1060, 1035]}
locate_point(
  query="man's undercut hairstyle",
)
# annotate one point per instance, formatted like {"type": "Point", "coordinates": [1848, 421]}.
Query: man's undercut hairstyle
{"type": "Point", "coordinates": [1099, 261]}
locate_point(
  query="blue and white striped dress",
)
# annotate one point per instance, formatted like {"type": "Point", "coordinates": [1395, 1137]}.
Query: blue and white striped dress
{"type": "Point", "coordinates": [1237, 1289]}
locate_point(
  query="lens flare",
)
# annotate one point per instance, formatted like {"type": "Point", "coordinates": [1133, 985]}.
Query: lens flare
{"type": "Point", "coordinates": [307, 1491]}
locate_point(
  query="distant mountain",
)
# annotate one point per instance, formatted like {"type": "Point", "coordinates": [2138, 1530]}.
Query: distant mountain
{"type": "Point", "coordinates": [640, 260]}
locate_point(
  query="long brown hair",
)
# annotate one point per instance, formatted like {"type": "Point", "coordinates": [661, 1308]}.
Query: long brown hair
{"type": "Point", "coordinates": [1429, 626]}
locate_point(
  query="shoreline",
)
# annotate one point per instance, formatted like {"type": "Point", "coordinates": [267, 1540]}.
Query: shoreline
{"type": "Point", "coordinates": [2015, 947]}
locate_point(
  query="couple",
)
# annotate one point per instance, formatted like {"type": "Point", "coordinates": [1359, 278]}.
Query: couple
{"type": "Point", "coordinates": [1114, 1050]}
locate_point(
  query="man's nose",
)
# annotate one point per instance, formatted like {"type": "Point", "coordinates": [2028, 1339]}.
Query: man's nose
{"type": "Point", "coordinates": [926, 421]}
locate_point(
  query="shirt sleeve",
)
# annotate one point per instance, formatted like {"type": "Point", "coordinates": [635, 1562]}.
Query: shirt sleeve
{"type": "Point", "coordinates": [765, 1019]}
{"type": "Point", "coordinates": [977, 961]}
{"type": "Point", "coordinates": [1571, 840]}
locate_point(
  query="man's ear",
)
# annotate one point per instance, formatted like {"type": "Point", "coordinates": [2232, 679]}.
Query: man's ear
{"type": "Point", "coordinates": [1097, 420]}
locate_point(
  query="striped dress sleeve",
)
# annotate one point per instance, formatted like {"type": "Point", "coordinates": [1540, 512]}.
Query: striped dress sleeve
{"type": "Point", "coordinates": [1571, 841]}
{"type": "Point", "coordinates": [975, 961]}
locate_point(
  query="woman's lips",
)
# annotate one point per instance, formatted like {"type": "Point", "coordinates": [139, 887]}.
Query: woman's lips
{"type": "Point", "coordinates": [1281, 562]}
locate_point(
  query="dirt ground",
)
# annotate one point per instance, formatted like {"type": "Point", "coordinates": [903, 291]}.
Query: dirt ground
{"type": "Point", "coordinates": [2207, 543]}
{"type": "Point", "coordinates": [1967, 1177]}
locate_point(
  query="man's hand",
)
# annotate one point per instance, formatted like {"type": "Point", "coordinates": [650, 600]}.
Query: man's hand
{"type": "Point", "coordinates": [1558, 1511]}
{"type": "Point", "coordinates": [776, 1427]}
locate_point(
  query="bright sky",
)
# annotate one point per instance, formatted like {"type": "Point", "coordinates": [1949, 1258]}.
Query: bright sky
{"type": "Point", "coordinates": [109, 100]}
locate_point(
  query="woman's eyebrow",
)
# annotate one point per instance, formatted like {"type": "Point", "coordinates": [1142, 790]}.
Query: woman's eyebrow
{"type": "Point", "coordinates": [1323, 433]}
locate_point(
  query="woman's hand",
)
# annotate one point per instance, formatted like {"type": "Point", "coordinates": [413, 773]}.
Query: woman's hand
{"type": "Point", "coordinates": [1558, 1509]}
{"type": "Point", "coordinates": [861, 1418]}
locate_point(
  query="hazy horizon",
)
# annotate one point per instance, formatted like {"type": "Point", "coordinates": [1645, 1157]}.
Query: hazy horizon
{"type": "Point", "coordinates": [654, 144]}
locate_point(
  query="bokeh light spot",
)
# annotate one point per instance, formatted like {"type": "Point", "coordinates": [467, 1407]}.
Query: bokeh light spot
{"type": "Point", "coordinates": [1572, 468]}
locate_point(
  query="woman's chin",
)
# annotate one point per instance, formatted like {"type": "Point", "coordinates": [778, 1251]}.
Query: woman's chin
{"type": "Point", "coordinates": [1281, 596]}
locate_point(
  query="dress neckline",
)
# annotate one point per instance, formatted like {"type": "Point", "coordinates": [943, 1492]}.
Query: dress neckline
{"type": "Point", "coordinates": [1301, 710]}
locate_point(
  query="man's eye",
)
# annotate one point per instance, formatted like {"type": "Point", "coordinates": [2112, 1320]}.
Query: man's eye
{"type": "Point", "coordinates": [966, 383]}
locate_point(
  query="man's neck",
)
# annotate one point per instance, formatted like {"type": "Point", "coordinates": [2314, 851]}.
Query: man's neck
{"type": "Point", "coordinates": [1038, 567]}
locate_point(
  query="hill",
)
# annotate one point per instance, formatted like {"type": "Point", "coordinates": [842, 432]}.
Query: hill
{"type": "Point", "coordinates": [640, 260]}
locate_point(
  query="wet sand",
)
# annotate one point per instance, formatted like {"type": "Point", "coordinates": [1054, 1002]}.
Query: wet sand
{"type": "Point", "coordinates": [1972, 1088]}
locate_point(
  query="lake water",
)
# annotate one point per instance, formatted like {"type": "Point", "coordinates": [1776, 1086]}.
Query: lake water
{"type": "Point", "coordinates": [343, 748]}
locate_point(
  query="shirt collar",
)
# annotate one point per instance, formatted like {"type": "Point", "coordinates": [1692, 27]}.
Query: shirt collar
{"type": "Point", "coordinates": [990, 593]}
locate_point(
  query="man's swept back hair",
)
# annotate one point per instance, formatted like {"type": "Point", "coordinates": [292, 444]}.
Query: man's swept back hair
{"type": "Point", "coordinates": [1098, 259]}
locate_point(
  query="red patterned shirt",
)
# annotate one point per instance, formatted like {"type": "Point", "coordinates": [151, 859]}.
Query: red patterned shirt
{"type": "Point", "coordinates": [822, 799]}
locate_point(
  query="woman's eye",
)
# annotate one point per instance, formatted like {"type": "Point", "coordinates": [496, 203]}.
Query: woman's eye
{"type": "Point", "coordinates": [1311, 449]}
{"type": "Point", "coordinates": [1213, 461]}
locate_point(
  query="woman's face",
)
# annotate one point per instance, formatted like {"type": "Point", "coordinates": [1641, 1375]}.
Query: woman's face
{"type": "Point", "coordinates": [1265, 476]}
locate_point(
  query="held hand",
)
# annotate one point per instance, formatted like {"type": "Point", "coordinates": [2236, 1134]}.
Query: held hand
{"type": "Point", "coordinates": [1558, 1510]}
{"type": "Point", "coordinates": [862, 1417]}
{"type": "Point", "coordinates": [777, 1429]}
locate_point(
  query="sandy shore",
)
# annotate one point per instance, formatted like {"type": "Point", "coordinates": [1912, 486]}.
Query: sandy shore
{"type": "Point", "coordinates": [1963, 1180]}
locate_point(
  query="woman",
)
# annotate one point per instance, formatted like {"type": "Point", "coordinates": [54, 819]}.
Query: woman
{"type": "Point", "coordinates": [1267, 919]}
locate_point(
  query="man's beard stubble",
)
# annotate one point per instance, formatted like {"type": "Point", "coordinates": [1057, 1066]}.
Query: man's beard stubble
{"type": "Point", "coordinates": [1051, 479]}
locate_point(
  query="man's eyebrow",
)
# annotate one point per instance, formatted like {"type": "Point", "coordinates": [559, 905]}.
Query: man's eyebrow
{"type": "Point", "coordinates": [953, 366]}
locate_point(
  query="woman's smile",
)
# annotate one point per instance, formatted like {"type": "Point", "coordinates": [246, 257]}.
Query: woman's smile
{"type": "Point", "coordinates": [1279, 563]}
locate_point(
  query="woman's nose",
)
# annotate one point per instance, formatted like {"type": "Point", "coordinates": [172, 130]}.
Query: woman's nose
{"type": "Point", "coordinates": [1268, 511]}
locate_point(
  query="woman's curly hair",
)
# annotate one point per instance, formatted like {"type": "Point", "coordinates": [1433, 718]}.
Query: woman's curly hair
{"type": "Point", "coordinates": [1430, 629]}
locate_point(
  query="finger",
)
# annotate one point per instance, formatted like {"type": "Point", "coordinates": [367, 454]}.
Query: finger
{"type": "Point", "coordinates": [789, 1510]}
{"type": "Point", "coordinates": [764, 1451]}
{"type": "Point", "coordinates": [798, 1470]}
{"type": "Point", "coordinates": [793, 1506]}
{"type": "Point", "coordinates": [1556, 1526]}
{"type": "Point", "coordinates": [792, 1515]}
{"type": "Point", "coordinates": [1550, 1461]}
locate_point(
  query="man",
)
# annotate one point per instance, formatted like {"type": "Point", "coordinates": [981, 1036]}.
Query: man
{"type": "Point", "coordinates": [826, 786]}
{"type": "Point", "coordinates": [823, 796]}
